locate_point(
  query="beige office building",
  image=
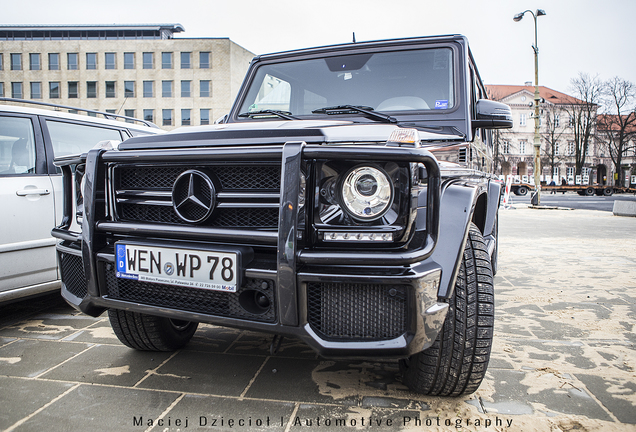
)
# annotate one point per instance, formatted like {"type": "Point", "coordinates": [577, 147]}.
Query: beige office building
{"type": "Point", "coordinates": [140, 71]}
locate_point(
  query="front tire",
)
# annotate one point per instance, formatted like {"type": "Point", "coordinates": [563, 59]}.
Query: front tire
{"type": "Point", "coordinates": [456, 363]}
{"type": "Point", "coordinates": [150, 333]}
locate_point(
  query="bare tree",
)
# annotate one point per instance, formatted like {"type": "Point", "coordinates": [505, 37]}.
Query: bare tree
{"type": "Point", "coordinates": [553, 131]}
{"type": "Point", "coordinates": [582, 112]}
{"type": "Point", "coordinates": [618, 124]}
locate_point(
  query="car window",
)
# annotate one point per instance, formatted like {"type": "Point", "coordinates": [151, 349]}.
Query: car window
{"type": "Point", "coordinates": [73, 138]}
{"type": "Point", "coordinates": [17, 146]}
{"type": "Point", "coordinates": [413, 80]}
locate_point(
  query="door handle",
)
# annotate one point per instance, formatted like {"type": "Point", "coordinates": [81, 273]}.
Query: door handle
{"type": "Point", "coordinates": [25, 192]}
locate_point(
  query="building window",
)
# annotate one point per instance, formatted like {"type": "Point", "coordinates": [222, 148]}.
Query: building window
{"type": "Point", "coordinates": [204, 60]}
{"type": "Point", "coordinates": [91, 89]}
{"type": "Point", "coordinates": [1, 89]}
{"type": "Point", "coordinates": [1, 62]}
{"type": "Point", "coordinates": [185, 88]}
{"type": "Point", "coordinates": [166, 88]}
{"type": "Point", "coordinates": [129, 113]}
{"type": "Point", "coordinates": [35, 62]}
{"type": "Point", "coordinates": [54, 61]}
{"type": "Point", "coordinates": [149, 115]}
{"type": "Point", "coordinates": [73, 90]}
{"type": "Point", "coordinates": [166, 60]}
{"type": "Point", "coordinates": [129, 89]}
{"type": "Point", "coordinates": [110, 60]}
{"type": "Point", "coordinates": [91, 60]}
{"type": "Point", "coordinates": [570, 172]}
{"type": "Point", "coordinates": [149, 60]}
{"type": "Point", "coordinates": [54, 90]}
{"type": "Point", "coordinates": [110, 89]}
{"type": "Point", "coordinates": [185, 60]}
{"type": "Point", "coordinates": [166, 115]}
{"type": "Point", "coordinates": [185, 117]}
{"type": "Point", "coordinates": [129, 60]}
{"type": "Point", "coordinates": [522, 147]}
{"type": "Point", "coordinates": [556, 148]}
{"type": "Point", "coordinates": [557, 120]}
{"type": "Point", "coordinates": [148, 89]}
{"type": "Point", "coordinates": [16, 90]}
{"type": "Point", "coordinates": [506, 147]}
{"type": "Point", "coordinates": [36, 90]}
{"type": "Point", "coordinates": [555, 173]}
{"type": "Point", "coordinates": [16, 61]}
{"type": "Point", "coordinates": [571, 148]}
{"type": "Point", "coordinates": [522, 119]}
{"type": "Point", "coordinates": [204, 88]}
{"type": "Point", "coordinates": [205, 116]}
{"type": "Point", "coordinates": [72, 61]}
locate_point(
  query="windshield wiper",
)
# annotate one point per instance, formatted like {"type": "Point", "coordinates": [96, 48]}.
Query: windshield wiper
{"type": "Point", "coordinates": [282, 114]}
{"type": "Point", "coordinates": [348, 109]}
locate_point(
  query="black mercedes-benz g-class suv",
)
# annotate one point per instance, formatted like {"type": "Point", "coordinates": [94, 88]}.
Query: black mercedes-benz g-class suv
{"type": "Point", "coordinates": [345, 200]}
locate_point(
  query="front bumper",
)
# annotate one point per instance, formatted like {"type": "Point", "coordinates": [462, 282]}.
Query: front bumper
{"type": "Point", "coordinates": [368, 303]}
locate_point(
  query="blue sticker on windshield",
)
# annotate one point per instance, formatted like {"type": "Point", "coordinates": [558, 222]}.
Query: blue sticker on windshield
{"type": "Point", "coordinates": [441, 104]}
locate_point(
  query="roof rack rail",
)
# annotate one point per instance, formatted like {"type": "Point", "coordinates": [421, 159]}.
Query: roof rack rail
{"type": "Point", "coordinates": [105, 114]}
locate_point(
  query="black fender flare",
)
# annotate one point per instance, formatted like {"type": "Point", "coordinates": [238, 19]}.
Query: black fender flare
{"type": "Point", "coordinates": [458, 203]}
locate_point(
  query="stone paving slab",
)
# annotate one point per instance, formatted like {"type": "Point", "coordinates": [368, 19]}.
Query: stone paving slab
{"type": "Point", "coordinates": [564, 357]}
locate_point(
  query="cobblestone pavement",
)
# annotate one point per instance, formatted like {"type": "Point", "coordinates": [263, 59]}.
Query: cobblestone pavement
{"type": "Point", "coordinates": [564, 357]}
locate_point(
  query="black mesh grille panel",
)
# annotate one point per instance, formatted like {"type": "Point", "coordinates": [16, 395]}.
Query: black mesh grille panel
{"type": "Point", "coordinates": [231, 177]}
{"type": "Point", "coordinates": [72, 270]}
{"type": "Point", "coordinates": [148, 177]}
{"type": "Point", "coordinates": [362, 312]}
{"type": "Point", "coordinates": [208, 302]}
{"type": "Point", "coordinates": [252, 218]}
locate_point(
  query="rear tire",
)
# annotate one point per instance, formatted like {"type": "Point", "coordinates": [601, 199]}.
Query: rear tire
{"type": "Point", "coordinates": [150, 333]}
{"type": "Point", "coordinates": [522, 191]}
{"type": "Point", "coordinates": [456, 363]}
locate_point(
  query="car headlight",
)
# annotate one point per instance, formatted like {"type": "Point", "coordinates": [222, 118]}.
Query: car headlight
{"type": "Point", "coordinates": [367, 193]}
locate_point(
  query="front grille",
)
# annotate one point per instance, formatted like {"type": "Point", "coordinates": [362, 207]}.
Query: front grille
{"type": "Point", "coordinates": [72, 270]}
{"type": "Point", "coordinates": [229, 218]}
{"type": "Point", "coordinates": [217, 303]}
{"type": "Point", "coordinates": [357, 312]}
{"type": "Point", "coordinates": [247, 195]}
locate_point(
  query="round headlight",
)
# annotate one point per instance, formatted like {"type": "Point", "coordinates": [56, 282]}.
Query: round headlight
{"type": "Point", "coordinates": [367, 193]}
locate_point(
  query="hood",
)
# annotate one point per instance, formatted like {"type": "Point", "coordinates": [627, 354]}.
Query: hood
{"type": "Point", "coordinates": [279, 132]}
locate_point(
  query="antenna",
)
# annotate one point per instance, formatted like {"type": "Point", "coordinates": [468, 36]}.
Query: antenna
{"type": "Point", "coordinates": [354, 37]}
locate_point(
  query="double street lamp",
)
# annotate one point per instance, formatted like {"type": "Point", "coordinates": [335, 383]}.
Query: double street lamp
{"type": "Point", "coordinates": [537, 99]}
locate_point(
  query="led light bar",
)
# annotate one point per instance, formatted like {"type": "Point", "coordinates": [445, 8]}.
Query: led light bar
{"type": "Point", "coordinates": [357, 237]}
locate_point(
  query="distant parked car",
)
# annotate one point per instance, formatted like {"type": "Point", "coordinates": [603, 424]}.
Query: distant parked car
{"type": "Point", "coordinates": [31, 186]}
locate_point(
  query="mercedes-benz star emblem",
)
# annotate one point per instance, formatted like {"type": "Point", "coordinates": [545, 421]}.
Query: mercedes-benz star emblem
{"type": "Point", "coordinates": [193, 196]}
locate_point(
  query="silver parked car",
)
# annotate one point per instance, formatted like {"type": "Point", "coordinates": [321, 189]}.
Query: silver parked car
{"type": "Point", "coordinates": [31, 186]}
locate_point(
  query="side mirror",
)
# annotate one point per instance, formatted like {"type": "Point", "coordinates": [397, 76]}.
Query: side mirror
{"type": "Point", "coordinates": [492, 115]}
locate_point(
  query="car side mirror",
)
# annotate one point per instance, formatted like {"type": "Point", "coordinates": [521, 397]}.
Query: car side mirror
{"type": "Point", "coordinates": [492, 115]}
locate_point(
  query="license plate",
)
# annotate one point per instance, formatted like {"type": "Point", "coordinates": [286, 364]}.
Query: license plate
{"type": "Point", "coordinates": [205, 269]}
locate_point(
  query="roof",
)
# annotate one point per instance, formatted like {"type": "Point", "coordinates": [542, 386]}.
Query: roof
{"type": "Point", "coordinates": [607, 122]}
{"type": "Point", "coordinates": [175, 28]}
{"type": "Point", "coordinates": [503, 92]}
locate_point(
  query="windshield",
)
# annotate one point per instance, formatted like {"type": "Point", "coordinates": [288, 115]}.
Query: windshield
{"type": "Point", "coordinates": [414, 80]}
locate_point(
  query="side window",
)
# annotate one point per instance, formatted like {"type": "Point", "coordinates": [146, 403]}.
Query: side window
{"type": "Point", "coordinates": [17, 146]}
{"type": "Point", "coordinates": [71, 138]}
{"type": "Point", "coordinates": [274, 94]}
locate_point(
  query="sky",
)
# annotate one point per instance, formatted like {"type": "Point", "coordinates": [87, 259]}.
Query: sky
{"type": "Point", "coordinates": [575, 36]}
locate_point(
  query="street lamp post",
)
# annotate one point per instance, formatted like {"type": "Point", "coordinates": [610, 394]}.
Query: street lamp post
{"type": "Point", "coordinates": [537, 100]}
